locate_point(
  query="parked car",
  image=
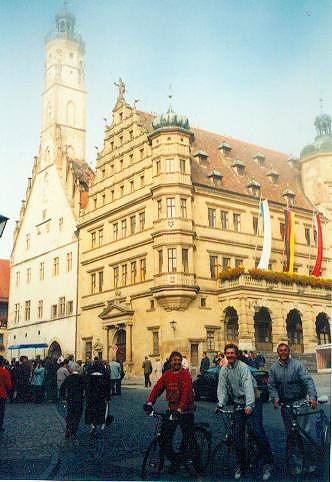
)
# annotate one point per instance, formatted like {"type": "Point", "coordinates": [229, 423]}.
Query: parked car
{"type": "Point", "coordinates": [205, 386]}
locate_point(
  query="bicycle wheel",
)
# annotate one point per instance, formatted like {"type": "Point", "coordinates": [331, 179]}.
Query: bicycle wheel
{"type": "Point", "coordinates": [295, 454]}
{"type": "Point", "coordinates": [153, 462]}
{"type": "Point", "coordinates": [223, 460]}
{"type": "Point", "coordinates": [203, 439]}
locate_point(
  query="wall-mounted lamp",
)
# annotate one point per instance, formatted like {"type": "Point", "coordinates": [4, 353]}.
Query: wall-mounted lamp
{"type": "Point", "coordinates": [3, 222]}
{"type": "Point", "coordinates": [173, 325]}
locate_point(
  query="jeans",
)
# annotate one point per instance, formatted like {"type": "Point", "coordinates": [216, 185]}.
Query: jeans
{"type": "Point", "coordinates": [240, 420]}
{"type": "Point", "coordinates": [2, 411]}
{"type": "Point", "coordinates": [187, 426]}
{"type": "Point", "coordinates": [74, 414]}
{"type": "Point", "coordinates": [256, 423]}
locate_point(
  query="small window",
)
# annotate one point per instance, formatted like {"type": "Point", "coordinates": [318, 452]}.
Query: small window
{"type": "Point", "coordinates": [238, 262]}
{"type": "Point", "coordinates": [112, 195]}
{"type": "Point", "coordinates": [100, 280]}
{"type": "Point", "coordinates": [40, 309]}
{"type": "Point", "coordinates": [182, 166]}
{"type": "Point", "coordinates": [121, 164]}
{"type": "Point", "coordinates": [131, 186]}
{"type": "Point", "coordinates": [62, 305]}
{"type": "Point", "coordinates": [132, 224]}
{"type": "Point", "coordinates": [142, 220]}
{"type": "Point", "coordinates": [212, 217]}
{"type": "Point", "coordinates": [169, 165]}
{"type": "Point", "coordinates": [171, 260]}
{"type": "Point", "coordinates": [60, 224]}
{"type": "Point", "coordinates": [282, 230]}
{"type": "Point", "coordinates": [28, 275]}
{"type": "Point", "coordinates": [237, 222]}
{"type": "Point", "coordinates": [124, 275]}
{"type": "Point", "coordinates": [224, 219]}
{"type": "Point", "coordinates": [88, 350]}
{"type": "Point", "coordinates": [131, 134]}
{"type": "Point", "coordinates": [183, 205]}
{"type": "Point", "coordinates": [214, 266]}
{"type": "Point", "coordinates": [185, 260]}
{"type": "Point", "coordinates": [203, 302]}
{"type": "Point", "coordinates": [41, 270]}
{"type": "Point", "coordinates": [226, 263]}
{"type": "Point", "coordinates": [69, 262]}
{"type": "Point", "coordinates": [158, 167]}
{"type": "Point", "coordinates": [93, 282]}
{"type": "Point", "coordinates": [116, 276]}
{"type": "Point", "coordinates": [93, 239]}
{"type": "Point", "coordinates": [141, 153]}
{"type": "Point", "coordinates": [170, 203]}
{"type": "Point", "coordinates": [27, 241]}
{"type": "Point", "coordinates": [70, 307]}
{"type": "Point", "coordinates": [152, 307]}
{"type": "Point", "coordinates": [142, 181]}
{"type": "Point", "coordinates": [121, 190]}
{"type": "Point", "coordinates": [159, 208]}
{"type": "Point", "coordinates": [17, 276]}
{"type": "Point", "coordinates": [103, 172]}
{"type": "Point", "coordinates": [210, 340]}
{"type": "Point", "coordinates": [155, 342]}
{"type": "Point", "coordinates": [160, 261]}
{"type": "Point", "coordinates": [133, 272]}
{"type": "Point", "coordinates": [255, 224]}
{"type": "Point", "coordinates": [115, 231]}
{"type": "Point", "coordinates": [54, 311]}
{"type": "Point", "coordinates": [307, 235]}
{"type": "Point", "coordinates": [124, 228]}
{"type": "Point", "coordinates": [142, 266]}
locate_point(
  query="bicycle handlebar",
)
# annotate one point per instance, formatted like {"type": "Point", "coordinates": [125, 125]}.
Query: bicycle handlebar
{"type": "Point", "coordinates": [222, 410]}
{"type": "Point", "coordinates": [295, 404]}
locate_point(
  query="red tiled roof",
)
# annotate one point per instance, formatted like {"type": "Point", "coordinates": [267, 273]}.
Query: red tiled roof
{"type": "Point", "coordinates": [82, 171]}
{"type": "Point", "coordinates": [4, 279]}
{"type": "Point", "coordinates": [245, 151]}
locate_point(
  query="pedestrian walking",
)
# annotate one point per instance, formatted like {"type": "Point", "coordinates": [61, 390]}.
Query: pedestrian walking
{"type": "Point", "coordinates": [72, 391]}
{"type": "Point", "coordinates": [5, 386]}
{"type": "Point", "coordinates": [38, 382]}
{"type": "Point", "coordinates": [158, 369]}
{"type": "Point", "coordinates": [97, 394]}
{"type": "Point", "coordinates": [115, 377]}
{"type": "Point", "coordinates": [185, 363]}
{"type": "Point", "coordinates": [23, 381]}
{"type": "Point", "coordinates": [205, 363]}
{"type": "Point", "coordinates": [50, 369]}
{"type": "Point", "coordinates": [61, 374]}
{"type": "Point", "coordinates": [147, 368]}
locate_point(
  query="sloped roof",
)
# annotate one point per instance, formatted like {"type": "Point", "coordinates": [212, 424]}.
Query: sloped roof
{"type": "Point", "coordinates": [210, 143]}
{"type": "Point", "coordinates": [4, 279]}
{"type": "Point", "coordinates": [82, 172]}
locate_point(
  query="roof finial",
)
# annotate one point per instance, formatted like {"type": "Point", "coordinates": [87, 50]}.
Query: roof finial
{"type": "Point", "coordinates": [170, 96]}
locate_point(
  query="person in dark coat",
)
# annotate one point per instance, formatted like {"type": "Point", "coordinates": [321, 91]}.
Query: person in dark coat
{"type": "Point", "coordinates": [72, 390]}
{"type": "Point", "coordinates": [205, 363]}
{"type": "Point", "coordinates": [51, 367]}
{"type": "Point", "coordinates": [97, 393]}
{"type": "Point", "coordinates": [23, 382]}
{"type": "Point", "coordinates": [166, 366]}
{"type": "Point", "coordinates": [5, 386]}
{"type": "Point", "coordinates": [147, 369]}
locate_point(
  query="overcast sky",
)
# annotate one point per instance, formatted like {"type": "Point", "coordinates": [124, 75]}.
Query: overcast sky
{"type": "Point", "coordinates": [251, 69]}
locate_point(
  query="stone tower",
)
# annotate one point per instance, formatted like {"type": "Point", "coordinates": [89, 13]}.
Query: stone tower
{"type": "Point", "coordinates": [64, 96]}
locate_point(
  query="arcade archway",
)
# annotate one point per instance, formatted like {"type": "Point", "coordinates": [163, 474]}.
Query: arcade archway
{"type": "Point", "coordinates": [231, 325]}
{"type": "Point", "coordinates": [295, 331]}
{"type": "Point", "coordinates": [323, 329]}
{"type": "Point", "coordinates": [263, 330]}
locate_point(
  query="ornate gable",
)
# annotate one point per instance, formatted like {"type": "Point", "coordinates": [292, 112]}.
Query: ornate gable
{"type": "Point", "coordinates": [116, 310]}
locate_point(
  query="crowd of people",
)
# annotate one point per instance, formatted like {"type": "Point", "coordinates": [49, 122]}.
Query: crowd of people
{"type": "Point", "coordinates": [289, 382]}
{"type": "Point", "coordinates": [67, 380]}
{"type": "Point", "coordinates": [96, 381]}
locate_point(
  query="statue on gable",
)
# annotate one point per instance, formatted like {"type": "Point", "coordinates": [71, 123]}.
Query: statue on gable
{"type": "Point", "coordinates": [121, 88]}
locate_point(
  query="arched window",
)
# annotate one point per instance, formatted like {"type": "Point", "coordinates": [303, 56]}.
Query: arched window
{"type": "Point", "coordinates": [263, 329]}
{"type": "Point", "coordinates": [323, 329]}
{"type": "Point", "coordinates": [231, 325]}
{"type": "Point", "coordinates": [294, 331]}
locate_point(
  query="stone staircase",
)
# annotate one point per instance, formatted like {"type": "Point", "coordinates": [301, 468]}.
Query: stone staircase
{"type": "Point", "coordinates": [308, 360]}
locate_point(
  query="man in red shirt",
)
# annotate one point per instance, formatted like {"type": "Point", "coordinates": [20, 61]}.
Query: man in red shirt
{"type": "Point", "coordinates": [179, 394]}
{"type": "Point", "coordinates": [5, 386]}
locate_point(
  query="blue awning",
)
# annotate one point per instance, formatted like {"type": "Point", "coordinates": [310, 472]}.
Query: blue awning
{"type": "Point", "coordinates": [27, 345]}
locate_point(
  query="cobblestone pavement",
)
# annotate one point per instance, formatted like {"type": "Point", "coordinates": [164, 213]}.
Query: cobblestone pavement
{"type": "Point", "coordinates": [30, 442]}
{"type": "Point", "coordinates": [32, 447]}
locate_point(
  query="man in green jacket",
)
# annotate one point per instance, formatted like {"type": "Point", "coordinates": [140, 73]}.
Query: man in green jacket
{"type": "Point", "coordinates": [235, 387]}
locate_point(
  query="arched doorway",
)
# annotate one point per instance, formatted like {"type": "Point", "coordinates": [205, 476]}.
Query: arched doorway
{"type": "Point", "coordinates": [294, 331]}
{"type": "Point", "coordinates": [323, 329]}
{"type": "Point", "coordinates": [263, 329]}
{"type": "Point", "coordinates": [120, 341]}
{"type": "Point", "coordinates": [231, 325]}
{"type": "Point", "coordinates": [54, 350]}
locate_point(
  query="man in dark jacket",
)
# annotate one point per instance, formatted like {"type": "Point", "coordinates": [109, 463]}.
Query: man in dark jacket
{"type": "Point", "coordinates": [72, 390]}
{"type": "Point", "coordinates": [205, 363]}
{"type": "Point", "coordinates": [147, 368]}
{"type": "Point", "coordinates": [290, 382]}
{"type": "Point", "coordinates": [97, 393]}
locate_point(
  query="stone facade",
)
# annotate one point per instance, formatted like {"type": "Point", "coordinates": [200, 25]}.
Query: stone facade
{"type": "Point", "coordinates": [169, 209]}
{"type": "Point", "coordinates": [43, 294]}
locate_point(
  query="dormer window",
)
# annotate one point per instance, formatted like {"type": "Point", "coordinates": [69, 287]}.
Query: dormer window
{"type": "Point", "coordinates": [293, 162]}
{"type": "Point", "coordinates": [254, 188]}
{"type": "Point", "coordinates": [260, 159]}
{"type": "Point", "coordinates": [239, 167]}
{"type": "Point", "coordinates": [201, 156]}
{"type": "Point", "coordinates": [289, 196]}
{"type": "Point", "coordinates": [215, 177]}
{"type": "Point", "coordinates": [273, 175]}
{"type": "Point", "coordinates": [225, 149]}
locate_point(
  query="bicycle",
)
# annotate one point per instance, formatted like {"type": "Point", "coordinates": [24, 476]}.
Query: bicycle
{"type": "Point", "coordinates": [223, 459]}
{"type": "Point", "coordinates": [299, 443]}
{"type": "Point", "coordinates": [154, 459]}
